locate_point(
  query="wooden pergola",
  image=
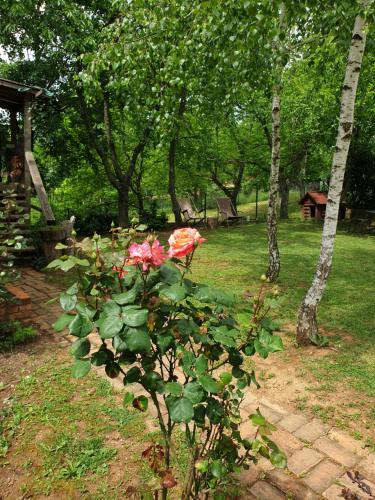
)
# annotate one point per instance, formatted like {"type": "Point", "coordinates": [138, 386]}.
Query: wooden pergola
{"type": "Point", "coordinates": [17, 98]}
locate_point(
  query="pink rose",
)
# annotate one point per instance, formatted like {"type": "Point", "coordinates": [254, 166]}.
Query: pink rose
{"type": "Point", "coordinates": [147, 254]}
{"type": "Point", "coordinates": [184, 241]}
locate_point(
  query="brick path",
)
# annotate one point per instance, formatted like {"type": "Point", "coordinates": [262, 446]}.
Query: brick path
{"type": "Point", "coordinates": [318, 456]}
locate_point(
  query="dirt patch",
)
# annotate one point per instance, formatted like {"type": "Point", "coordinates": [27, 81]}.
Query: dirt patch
{"type": "Point", "coordinates": [285, 380]}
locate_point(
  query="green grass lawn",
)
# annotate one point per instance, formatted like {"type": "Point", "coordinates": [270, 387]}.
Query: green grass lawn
{"type": "Point", "coordinates": [234, 259]}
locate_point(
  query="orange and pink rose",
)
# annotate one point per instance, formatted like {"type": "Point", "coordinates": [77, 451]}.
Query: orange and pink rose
{"type": "Point", "coordinates": [183, 241]}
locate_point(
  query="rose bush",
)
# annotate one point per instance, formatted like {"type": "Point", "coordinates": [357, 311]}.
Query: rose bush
{"type": "Point", "coordinates": [175, 338]}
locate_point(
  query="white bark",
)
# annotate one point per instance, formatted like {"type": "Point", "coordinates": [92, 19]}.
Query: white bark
{"type": "Point", "coordinates": [307, 328]}
{"type": "Point", "coordinates": [273, 250]}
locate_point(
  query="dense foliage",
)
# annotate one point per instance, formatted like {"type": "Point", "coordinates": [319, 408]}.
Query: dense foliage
{"type": "Point", "coordinates": [175, 97]}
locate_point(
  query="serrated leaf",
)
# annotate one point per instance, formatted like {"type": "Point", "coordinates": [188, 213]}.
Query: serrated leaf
{"type": "Point", "coordinates": [80, 326]}
{"type": "Point", "coordinates": [125, 297]}
{"type": "Point", "coordinates": [173, 388]}
{"type": "Point", "coordinates": [180, 409]}
{"type": "Point", "coordinates": [194, 392]}
{"type": "Point", "coordinates": [67, 301]}
{"type": "Point", "coordinates": [175, 293]}
{"type": "Point", "coordinates": [209, 384]}
{"type": "Point", "coordinates": [137, 340]}
{"type": "Point", "coordinates": [169, 275]}
{"type": "Point", "coordinates": [110, 327]}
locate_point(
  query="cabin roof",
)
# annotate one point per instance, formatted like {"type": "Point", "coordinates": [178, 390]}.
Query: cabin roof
{"type": "Point", "coordinates": [317, 197]}
{"type": "Point", "coordinates": [12, 94]}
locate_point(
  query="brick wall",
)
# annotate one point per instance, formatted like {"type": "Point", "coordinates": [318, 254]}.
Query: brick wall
{"type": "Point", "coordinates": [20, 310]}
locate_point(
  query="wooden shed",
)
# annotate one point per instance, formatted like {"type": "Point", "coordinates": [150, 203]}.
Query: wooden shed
{"type": "Point", "coordinates": [313, 205]}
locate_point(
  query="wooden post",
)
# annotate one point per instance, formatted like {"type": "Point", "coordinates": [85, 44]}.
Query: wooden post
{"type": "Point", "coordinates": [27, 146]}
{"type": "Point", "coordinates": [13, 127]}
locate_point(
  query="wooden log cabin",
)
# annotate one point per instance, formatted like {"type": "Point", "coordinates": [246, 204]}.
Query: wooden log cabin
{"type": "Point", "coordinates": [20, 175]}
{"type": "Point", "coordinates": [313, 206]}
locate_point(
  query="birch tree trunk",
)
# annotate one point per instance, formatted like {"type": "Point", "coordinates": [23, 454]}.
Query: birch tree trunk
{"type": "Point", "coordinates": [307, 327]}
{"type": "Point", "coordinates": [273, 249]}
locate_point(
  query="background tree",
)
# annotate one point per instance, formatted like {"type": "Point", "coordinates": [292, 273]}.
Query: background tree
{"type": "Point", "coordinates": [307, 328]}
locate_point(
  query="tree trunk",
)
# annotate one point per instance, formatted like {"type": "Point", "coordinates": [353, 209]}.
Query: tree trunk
{"type": "Point", "coordinates": [284, 198]}
{"type": "Point", "coordinates": [307, 328]}
{"type": "Point", "coordinates": [273, 250]}
{"type": "Point", "coordinates": [172, 159]}
{"type": "Point", "coordinates": [172, 181]}
{"type": "Point", "coordinates": [123, 206]}
{"type": "Point", "coordinates": [302, 188]}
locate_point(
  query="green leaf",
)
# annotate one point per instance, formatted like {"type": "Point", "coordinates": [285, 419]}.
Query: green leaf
{"type": "Point", "coordinates": [217, 469]}
{"type": "Point", "coordinates": [164, 342]}
{"type": "Point", "coordinates": [199, 415]}
{"type": "Point", "coordinates": [110, 307]}
{"type": "Point", "coordinates": [137, 340]}
{"type": "Point", "coordinates": [235, 358]}
{"type": "Point", "coordinates": [133, 375]}
{"type": "Point", "coordinates": [173, 388]}
{"type": "Point", "coordinates": [80, 326]}
{"type": "Point", "coordinates": [140, 403]}
{"type": "Point", "coordinates": [215, 411]}
{"type": "Point", "coordinates": [270, 325]}
{"type": "Point", "coordinates": [152, 381]}
{"type": "Point", "coordinates": [112, 369]}
{"type": "Point", "coordinates": [67, 265]}
{"type": "Point", "coordinates": [55, 263]}
{"type": "Point", "coordinates": [125, 297]}
{"type": "Point", "coordinates": [62, 322]}
{"type": "Point", "coordinates": [278, 459]}
{"type": "Point", "coordinates": [225, 377]}
{"type": "Point", "coordinates": [85, 310]}
{"type": "Point", "coordinates": [80, 348]}
{"type": "Point", "coordinates": [110, 327]}
{"type": "Point", "coordinates": [81, 368]}
{"type": "Point", "coordinates": [169, 275]}
{"type": "Point", "coordinates": [194, 392]}
{"type": "Point", "coordinates": [224, 336]}
{"type": "Point", "coordinates": [73, 289]}
{"type": "Point", "coordinates": [188, 360]}
{"type": "Point", "coordinates": [257, 419]}
{"type": "Point", "coordinates": [101, 357]}
{"type": "Point", "coordinates": [68, 302]}
{"type": "Point", "coordinates": [61, 246]}
{"type": "Point", "coordinates": [180, 409]}
{"type": "Point", "coordinates": [119, 344]}
{"type": "Point", "coordinates": [127, 358]}
{"type": "Point", "coordinates": [135, 317]}
{"type": "Point", "coordinates": [201, 365]}
{"type": "Point", "coordinates": [209, 384]}
{"type": "Point", "coordinates": [175, 293]}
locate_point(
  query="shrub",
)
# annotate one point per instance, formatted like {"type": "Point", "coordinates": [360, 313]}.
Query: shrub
{"type": "Point", "coordinates": [176, 338]}
{"type": "Point", "coordinates": [13, 333]}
